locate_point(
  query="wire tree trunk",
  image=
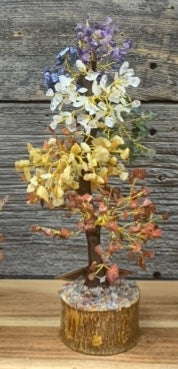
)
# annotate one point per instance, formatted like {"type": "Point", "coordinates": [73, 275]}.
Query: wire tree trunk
{"type": "Point", "coordinates": [92, 235]}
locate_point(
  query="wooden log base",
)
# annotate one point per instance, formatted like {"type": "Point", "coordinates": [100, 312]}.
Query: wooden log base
{"type": "Point", "coordinates": [99, 332]}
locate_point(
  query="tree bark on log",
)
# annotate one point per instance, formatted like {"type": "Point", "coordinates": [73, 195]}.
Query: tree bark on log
{"type": "Point", "coordinates": [99, 332]}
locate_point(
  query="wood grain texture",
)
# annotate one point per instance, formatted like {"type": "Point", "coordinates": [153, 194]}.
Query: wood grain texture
{"type": "Point", "coordinates": [33, 32]}
{"type": "Point", "coordinates": [29, 333]}
{"type": "Point", "coordinates": [28, 254]}
{"type": "Point", "coordinates": [77, 364]}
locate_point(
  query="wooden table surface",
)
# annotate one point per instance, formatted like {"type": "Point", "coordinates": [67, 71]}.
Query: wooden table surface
{"type": "Point", "coordinates": [29, 326]}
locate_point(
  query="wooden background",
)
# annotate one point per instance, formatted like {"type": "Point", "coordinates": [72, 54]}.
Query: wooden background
{"type": "Point", "coordinates": [31, 33]}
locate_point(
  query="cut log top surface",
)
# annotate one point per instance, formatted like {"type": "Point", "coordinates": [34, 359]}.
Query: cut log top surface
{"type": "Point", "coordinates": [29, 329]}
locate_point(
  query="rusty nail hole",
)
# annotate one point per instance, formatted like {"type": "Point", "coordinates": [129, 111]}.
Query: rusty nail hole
{"type": "Point", "coordinates": [153, 131]}
{"type": "Point", "coordinates": [153, 65]}
{"type": "Point", "coordinates": [17, 33]}
{"type": "Point", "coordinates": [156, 275]}
{"type": "Point", "coordinates": [161, 177]}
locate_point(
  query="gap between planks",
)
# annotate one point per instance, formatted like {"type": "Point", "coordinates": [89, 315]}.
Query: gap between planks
{"type": "Point", "coordinates": [47, 101]}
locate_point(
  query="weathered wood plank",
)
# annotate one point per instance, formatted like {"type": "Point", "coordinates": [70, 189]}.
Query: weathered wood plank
{"type": "Point", "coordinates": [33, 32]}
{"type": "Point", "coordinates": [30, 319]}
{"type": "Point", "coordinates": [35, 255]}
{"type": "Point", "coordinates": [33, 119]}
